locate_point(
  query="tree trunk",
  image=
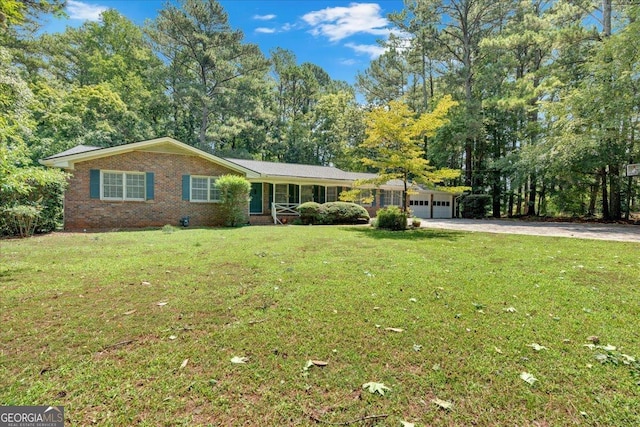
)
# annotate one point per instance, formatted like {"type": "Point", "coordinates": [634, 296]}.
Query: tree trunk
{"type": "Point", "coordinates": [593, 197]}
{"type": "Point", "coordinates": [615, 199]}
{"type": "Point", "coordinates": [605, 195]}
{"type": "Point", "coordinates": [496, 194]}
{"type": "Point", "coordinates": [204, 124]}
{"type": "Point", "coordinates": [606, 17]}
{"type": "Point", "coordinates": [468, 161]}
{"type": "Point", "coordinates": [541, 201]}
{"type": "Point", "coordinates": [531, 198]}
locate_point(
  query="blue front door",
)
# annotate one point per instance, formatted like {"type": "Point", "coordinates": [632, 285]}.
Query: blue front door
{"type": "Point", "coordinates": [255, 206]}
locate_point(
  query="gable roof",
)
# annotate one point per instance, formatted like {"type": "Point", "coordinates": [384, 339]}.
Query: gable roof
{"type": "Point", "coordinates": [253, 169]}
{"type": "Point", "coordinates": [80, 153]}
{"type": "Point", "coordinates": [300, 171]}
{"type": "Point", "coordinates": [75, 150]}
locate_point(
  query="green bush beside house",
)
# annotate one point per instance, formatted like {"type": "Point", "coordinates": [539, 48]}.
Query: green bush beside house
{"type": "Point", "coordinates": [234, 198]}
{"type": "Point", "coordinates": [332, 213]}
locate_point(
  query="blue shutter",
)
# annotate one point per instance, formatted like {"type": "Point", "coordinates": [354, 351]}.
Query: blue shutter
{"type": "Point", "coordinates": [186, 187]}
{"type": "Point", "coordinates": [94, 183]}
{"type": "Point", "coordinates": [382, 194]}
{"type": "Point", "coordinates": [150, 186]}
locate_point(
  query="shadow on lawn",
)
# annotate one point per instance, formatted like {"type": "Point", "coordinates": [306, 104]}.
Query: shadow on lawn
{"type": "Point", "coordinates": [421, 234]}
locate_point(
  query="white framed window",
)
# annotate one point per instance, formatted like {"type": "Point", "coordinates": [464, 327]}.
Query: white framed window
{"type": "Point", "coordinates": [203, 189]}
{"type": "Point", "coordinates": [332, 194]}
{"type": "Point", "coordinates": [394, 198]}
{"type": "Point", "coordinates": [281, 193]}
{"type": "Point", "coordinates": [123, 185]}
{"type": "Point", "coordinates": [366, 197]}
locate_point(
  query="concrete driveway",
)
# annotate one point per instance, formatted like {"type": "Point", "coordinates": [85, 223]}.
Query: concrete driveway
{"type": "Point", "coordinates": [619, 232]}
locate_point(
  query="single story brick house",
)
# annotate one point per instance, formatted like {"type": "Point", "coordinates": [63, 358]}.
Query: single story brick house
{"type": "Point", "coordinates": [160, 181]}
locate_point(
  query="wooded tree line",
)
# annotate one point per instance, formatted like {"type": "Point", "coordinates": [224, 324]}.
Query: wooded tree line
{"type": "Point", "coordinates": [547, 93]}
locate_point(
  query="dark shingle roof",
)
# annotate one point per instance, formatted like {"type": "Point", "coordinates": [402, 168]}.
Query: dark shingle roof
{"type": "Point", "coordinates": [75, 150]}
{"type": "Point", "coordinates": [300, 171]}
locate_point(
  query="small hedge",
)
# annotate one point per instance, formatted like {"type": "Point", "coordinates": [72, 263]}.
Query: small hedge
{"type": "Point", "coordinates": [391, 218]}
{"type": "Point", "coordinates": [344, 213]}
{"type": "Point", "coordinates": [332, 213]}
{"type": "Point", "coordinates": [310, 213]}
{"type": "Point", "coordinates": [475, 205]}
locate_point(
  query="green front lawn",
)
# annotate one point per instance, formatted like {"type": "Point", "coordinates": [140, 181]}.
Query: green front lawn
{"type": "Point", "coordinates": [139, 328]}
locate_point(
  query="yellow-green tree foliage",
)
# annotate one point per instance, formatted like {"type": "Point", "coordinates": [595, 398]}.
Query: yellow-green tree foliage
{"type": "Point", "coordinates": [395, 140]}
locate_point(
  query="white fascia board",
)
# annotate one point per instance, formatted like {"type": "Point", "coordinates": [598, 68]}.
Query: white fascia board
{"type": "Point", "coordinates": [68, 162]}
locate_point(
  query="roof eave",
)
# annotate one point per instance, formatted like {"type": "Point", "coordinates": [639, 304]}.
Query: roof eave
{"type": "Point", "coordinates": [68, 162]}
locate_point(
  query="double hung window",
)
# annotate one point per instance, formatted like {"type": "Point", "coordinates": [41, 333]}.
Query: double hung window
{"type": "Point", "coordinates": [123, 185]}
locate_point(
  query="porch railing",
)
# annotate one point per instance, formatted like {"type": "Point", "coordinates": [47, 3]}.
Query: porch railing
{"type": "Point", "coordinates": [283, 209]}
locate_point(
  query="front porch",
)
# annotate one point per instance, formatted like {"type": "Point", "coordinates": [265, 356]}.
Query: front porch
{"type": "Point", "coordinates": [276, 202]}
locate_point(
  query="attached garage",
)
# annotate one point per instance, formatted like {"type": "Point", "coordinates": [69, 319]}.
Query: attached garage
{"type": "Point", "coordinates": [432, 204]}
{"type": "Point", "coordinates": [420, 205]}
{"type": "Point", "coordinates": [442, 206]}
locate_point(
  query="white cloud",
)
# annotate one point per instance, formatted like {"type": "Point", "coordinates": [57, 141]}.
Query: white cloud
{"type": "Point", "coordinates": [373, 50]}
{"type": "Point", "coordinates": [268, 17]}
{"type": "Point", "coordinates": [348, 62]}
{"type": "Point", "coordinates": [264, 30]}
{"type": "Point", "coordinates": [84, 11]}
{"type": "Point", "coordinates": [337, 23]}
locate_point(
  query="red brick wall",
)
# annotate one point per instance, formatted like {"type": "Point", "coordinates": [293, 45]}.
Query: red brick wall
{"type": "Point", "coordinates": [82, 212]}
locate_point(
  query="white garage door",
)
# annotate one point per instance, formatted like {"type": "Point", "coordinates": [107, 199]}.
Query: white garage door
{"type": "Point", "coordinates": [419, 204]}
{"type": "Point", "coordinates": [441, 207]}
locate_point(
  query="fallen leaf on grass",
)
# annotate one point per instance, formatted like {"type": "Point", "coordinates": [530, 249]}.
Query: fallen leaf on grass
{"type": "Point", "coordinates": [394, 329]}
{"type": "Point", "coordinates": [537, 347]}
{"type": "Point", "coordinates": [417, 347]}
{"type": "Point", "coordinates": [413, 300]}
{"type": "Point", "coordinates": [162, 304]}
{"type": "Point", "coordinates": [497, 350]}
{"type": "Point", "coordinates": [374, 387]}
{"type": "Point", "coordinates": [528, 378]}
{"type": "Point", "coordinates": [239, 360]}
{"type": "Point", "coordinates": [319, 363]}
{"type": "Point", "coordinates": [184, 363]}
{"type": "Point", "coordinates": [172, 337]}
{"type": "Point", "coordinates": [444, 404]}
{"type": "Point", "coordinates": [126, 313]}
{"type": "Point", "coordinates": [509, 309]}
{"type": "Point", "coordinates": [407, 424]}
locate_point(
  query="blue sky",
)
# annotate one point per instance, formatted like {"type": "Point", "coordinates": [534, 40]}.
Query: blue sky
{"type": "Point", "coordinates": [339, 36]}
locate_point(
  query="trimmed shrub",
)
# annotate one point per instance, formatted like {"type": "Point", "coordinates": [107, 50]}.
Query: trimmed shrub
{"type": "Point", "coordinates": [310, 213]}
{"type": "Point", "coordinates": [234, 199]}
{"type": "Point", "coordinates": [24, 218]}
{"type": "Point", "coordinates": [475, 205]}
{"type": "Point", "coordinates": [32, 188]}
{"type": "Point", "coordinates": [391, 218]}
{"type": "Point", "coordinates": [343, 213]}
